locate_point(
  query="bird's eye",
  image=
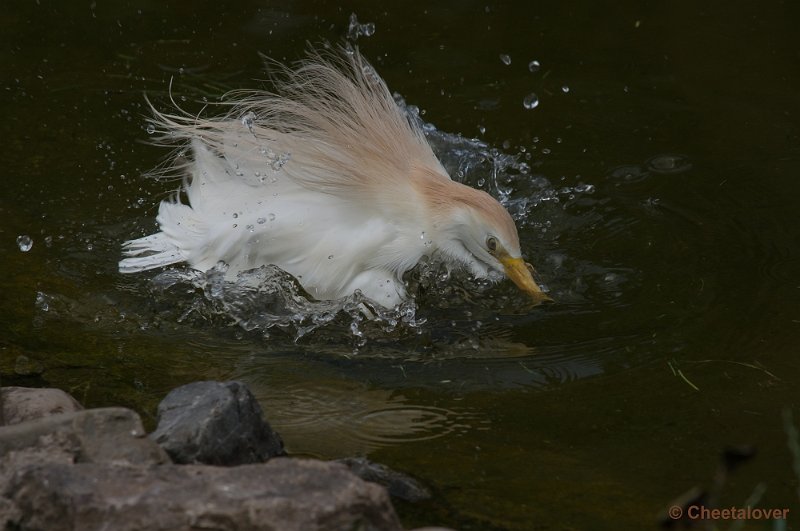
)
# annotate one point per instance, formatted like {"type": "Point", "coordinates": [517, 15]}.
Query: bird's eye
{"type": "Point", "coordinates": [491, 244]}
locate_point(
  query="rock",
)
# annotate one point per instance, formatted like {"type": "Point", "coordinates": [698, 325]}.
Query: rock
{"type": "Point", "coordinates": [113, 435]}
{"type": "Point", "coordinates": [215, 423]}
{"type": "Point", "coordinates": [21, 404]}
{"type": "Point", "coordinates": [398, 484]}
{"type": "Point", "coordinates": [100, 436]}
{"type": "Point", "coordinates": [283, 494]}
{"type": "Point", "coordinates": [110, 435]}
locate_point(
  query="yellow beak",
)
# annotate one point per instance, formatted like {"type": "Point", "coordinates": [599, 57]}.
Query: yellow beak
{"type": "Point", "coordinates": [520, 273]}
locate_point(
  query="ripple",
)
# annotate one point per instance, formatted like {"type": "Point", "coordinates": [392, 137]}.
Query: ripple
{"type": "Point", "coordinates": [343, 418]}
{"type": "Point", "coordinates": [630, 173]}
{"type": "Point", "coordinates": [669, 164]}
{"type": "Point", "coordinates": [402, 424]}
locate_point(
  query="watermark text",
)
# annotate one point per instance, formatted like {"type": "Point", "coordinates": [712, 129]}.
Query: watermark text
{"type": "Point", "coordinates": [698, 512]}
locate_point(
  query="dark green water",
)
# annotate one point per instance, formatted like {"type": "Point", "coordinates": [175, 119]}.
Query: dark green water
{"type": "Point", "coordinates": [682, 255]}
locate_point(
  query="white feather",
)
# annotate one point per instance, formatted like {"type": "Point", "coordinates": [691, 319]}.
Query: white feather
{"type": "Point", "coordinates": [326, 179]}
{"type": "Point", "coordinates": [303, 181]}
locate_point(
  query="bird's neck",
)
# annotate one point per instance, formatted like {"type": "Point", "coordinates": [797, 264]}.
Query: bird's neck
{"type": "Point", "coordinates": [440, 196]}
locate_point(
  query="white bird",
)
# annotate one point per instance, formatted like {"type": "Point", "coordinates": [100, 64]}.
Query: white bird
{"type": "Point", "coordinates": [328, 179]}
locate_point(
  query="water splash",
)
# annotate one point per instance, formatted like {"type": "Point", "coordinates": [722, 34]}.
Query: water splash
{"type": "Point", "coordinates": [356, 30]}
{"type": "Point", "coordinates": [501, 174]}
{"type": "Point", "coordinates": [280, 161]}
{"type": "Point", "coordinates": [268, 298]}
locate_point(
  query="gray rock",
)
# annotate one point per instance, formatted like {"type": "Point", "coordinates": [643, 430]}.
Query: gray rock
{"type": "Point", "coordinates": [398, 484]}
{"type": "Point", "coordinates": [215, 423]}
{"type": "Point", "coordinates": [110, 435]}
{"type": "Point", "coordinates": [21, 404]}
{"type": "Point", "coordinates": [283, 494]}
{"type": "Point", "coordinates": [106, 435]}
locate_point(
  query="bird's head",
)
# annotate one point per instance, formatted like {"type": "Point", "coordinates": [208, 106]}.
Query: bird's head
{"type": "Point", "coordinates": [475, 230]}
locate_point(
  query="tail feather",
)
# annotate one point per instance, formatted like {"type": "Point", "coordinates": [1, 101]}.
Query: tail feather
{"type": "Point", "coordinates": [143, 263]}
{"type": "Point", "coordinates": [149, 252]}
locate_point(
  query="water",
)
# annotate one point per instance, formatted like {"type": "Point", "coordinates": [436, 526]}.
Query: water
{"type": "Point", "coordinates": [531, 101]}
{"type": "Point", "coordinates": [25, 243]}
{"type": "Point", "coordinates": [664, 223]}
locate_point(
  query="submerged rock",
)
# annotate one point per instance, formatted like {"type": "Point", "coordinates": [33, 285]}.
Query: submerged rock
{"type": "Point", "coordinates": [21, 404]}
{"type": "Point", "coordinates": [285, 494]}
{"type": "Point", "coordinates": [215, 423]}
{"type": "Point", "coordinates": [398, 484]}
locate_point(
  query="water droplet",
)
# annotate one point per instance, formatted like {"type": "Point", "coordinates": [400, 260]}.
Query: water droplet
{"type": "Point", "coordinates": [546, 151]}
{"type": "Point", "coordinates": [261, 221]}
{"type": "Point", "coordinates": [251, 228]}
{"type": "Point", "coordinates": [235, 215]}
{"type": "Point", "coordinates": [330, 257]}
{"type": "Point", "coordinates": [482, 129]}
{"type": "Point", "coordinates": [150, 129]}
{"type": "Point", "coordinates": [355, 30]}
{"type": "Point", "coordinates": [248, 120]}
{"type": "Point", "coordinates": [271, 217]}
{"type": "Point", "coordinates": [41, 301]}
{"type": "Point", "coordinates": [422, 235]}
{"type": "Point", "coordinates": [565, 89]}
{"type": "Point", "coordinates": [531, 101]}
{"type": "Point", "coordinates": [534, 66]}
{"type": "Point", "coordinates": [505, 58]}
{"type": "Point", "coordinates": [25, 243]}
{"type": "Point", "coordinates": [280, 161]}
